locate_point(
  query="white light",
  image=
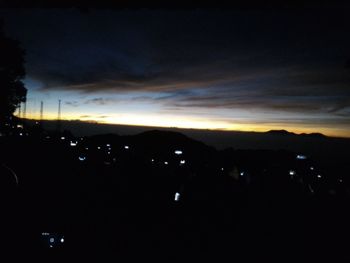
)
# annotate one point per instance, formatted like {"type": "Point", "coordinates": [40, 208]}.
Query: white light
{"type": "Point", "coordinates": [152, 160]}
{"type": "Point", "coordinates": [86, 148]}
{"type": "Point", "coordinates": [126, 147]}
{"type": "Point", "coordinates": [114, 159]}
{"type": "Point", "coordinates": [165, 162]}
{"type": "Point", "coordinates": [311, 168]}
{"type": "Point", "coordinates": [291, 172]}
{"type": "Point", "coordinates": [52, 240]}
{"type": "Point", "coordinates": [63, 138]}
{"type": "Point", "coordinates": [20, 134]}
{"type": "Point", "coordinates": [182, 162]}
{"type": "Point", "coordinates": [82, 158]}
{"type": "Point", "coordinates": [51, 246]}
{"type": "Point", "coordinates": [178, 152]}
{"type": "Point", "coordinates": [109, 152]}
{"type": "Point", "coordinates": [177, 196]}
{"type": "Point", "coordinates": [98, 147]}
{"type": "Point", "coordinates": [108, 145]}
{"type": "Point", "coordinates": [19, 126]}
{"type": "Point", "coordinates": [47, 137]}
{"type": "Point", "coordinates": [109, 148]}
{"type": "Point", "coordinates": [319, 176]}
{"type": "Point", "coordinates": [242, 173]}
{"type": "Point", "coordinates": [62, 240]}
{"type": "Point", "coordinates": [45, 234]}
{"type": "Point", "coordinates": [73, 143]}
{"type": "Point", "coordinates": [222, 169]}
{"type": "Point", "coordinates": [340, 180]}
{"type": "Point", "coordinates": [301, 157]}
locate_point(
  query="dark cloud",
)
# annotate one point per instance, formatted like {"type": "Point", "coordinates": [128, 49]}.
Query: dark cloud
{"type": "Point", "coordinates": [287, 61]}
{"type": "Point", "coordinates": [101, 101]}
{"type": "Point", "coordinates": [72, 103]}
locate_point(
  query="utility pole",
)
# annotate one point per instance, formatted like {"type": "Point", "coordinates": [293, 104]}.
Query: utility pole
{"type": "Point", "coordinates": [59, 116]}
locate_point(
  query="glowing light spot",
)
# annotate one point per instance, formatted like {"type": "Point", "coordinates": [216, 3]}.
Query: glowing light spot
{"type": "Point", "coordinates": [108, 145]}
{"type": "Point", "coordinates": [62, 240]}
{"type": "Point", "coordinates": [52, 240]}
{"type": "Point", "coordinates": [312, 168]}
{"type": "Point", "coordinates": [152, 160]}
{"type": "Point", "coordinates": [63, 138]}
{"type": "Point", "coordinates": [178, 152]}
{"type": "Point", "coordinates": [98, 147]}
{"type": "Point", "coordinates": [166, 163]}
{"type": "Point", "coordinates": [82, 158]}
{"type": "Point", "coordinates": [86, 148]}
{"type": "Point", "coordinates": [340, 180]}
{"type": "Point", "coordinates": [126, 147]}
{"type": "Point", "coordinates": [291, 172]}
{"type": "Point", "coordinates": [177, 197]}
{"type": "Point", "coordinates": [222, 168]}
{"type": "Point", "coordinates": [20, 134]}
{"type": "Point", "coordinates": [319, 176]}
{"type": "Point", "coordinates": [242, 173]}
{"type": "Point", "coordinates": [108, 152]}
{"type": "Point", "coordinates": [182, 162]}
{"type": "Point", "coordinates": [301, 157]}
{"type": "Point", "coordinates": [73, 143]}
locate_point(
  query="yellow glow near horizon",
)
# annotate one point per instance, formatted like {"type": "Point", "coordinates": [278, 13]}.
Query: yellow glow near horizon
{"type": "Point", "coordinates": [198, 123]}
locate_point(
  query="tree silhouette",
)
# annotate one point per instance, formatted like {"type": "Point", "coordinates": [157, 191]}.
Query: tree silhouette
{"type": "Point", "coordinates": [12, 72]}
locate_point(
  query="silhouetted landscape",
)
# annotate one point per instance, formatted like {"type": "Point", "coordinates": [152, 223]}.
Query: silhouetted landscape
{"type": "Point", "coordinates": [168, 196]}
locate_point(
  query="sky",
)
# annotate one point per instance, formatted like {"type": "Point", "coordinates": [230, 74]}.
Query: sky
{"type": "Point", "coordinates": [236, 69]}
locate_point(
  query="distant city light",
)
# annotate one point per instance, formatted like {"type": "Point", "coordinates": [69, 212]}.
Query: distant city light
{"type": "Point", "coordinates": [312, 168]}
{"type": "Point", "coordinates": [340, 180]}
{"type": "Point", "coordinates": [86, 148]}
{"type": "Point", "coordinates": [242, 173]}
{"type": "Point", "coordinates": [98, 147]}
{"type": "Point", "coordinates": [319, 176]}
{"type": "Point", "coordinates": [82, 158]}
{"type": "Point", "coordinates": [63, 138]}
{"type": "Point", "coordinates": [62, 240]}
{"type": "Point", "coordinates": [47, 137]}
{"type": "Point", "coordinates": [301, 157]}
{"type": "Point", "coordinates": [182, 162]}
{"type": "Point", "coordinates": [152, 160]}
{"type": "Point", "coordinates": [52, 240]}
{"type": "Point", "coordinates": [73, 143]}
{"type": "Point", "coordinates": [108, 152]}
{"type": "Point", "coordinates": [108, 145]}
{"type": "Point", "coordinates": [45, 234]}
{"type": "Point", "coordinates": [222, 168]}
{"type": "Point", "coordinates": [20, 134]}
{"type": "Point", "coordinates": [177, 196]}
{"type": "Point", "coordinates": [165, 162]}
{"type": "Point", "coordinates": [291, 172]}
{"type": "Point", "coordinates": [126, 147]}
{"type": "Point", "coordinates": [114, 159]}
{"type": "Point", "coordinates": [19, 126]}
{"type": "Point", "coordinates": [178, 152]}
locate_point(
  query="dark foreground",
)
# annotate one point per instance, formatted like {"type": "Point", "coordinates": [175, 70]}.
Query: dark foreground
{"type": "Point", "coordinates": [163, 197]}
